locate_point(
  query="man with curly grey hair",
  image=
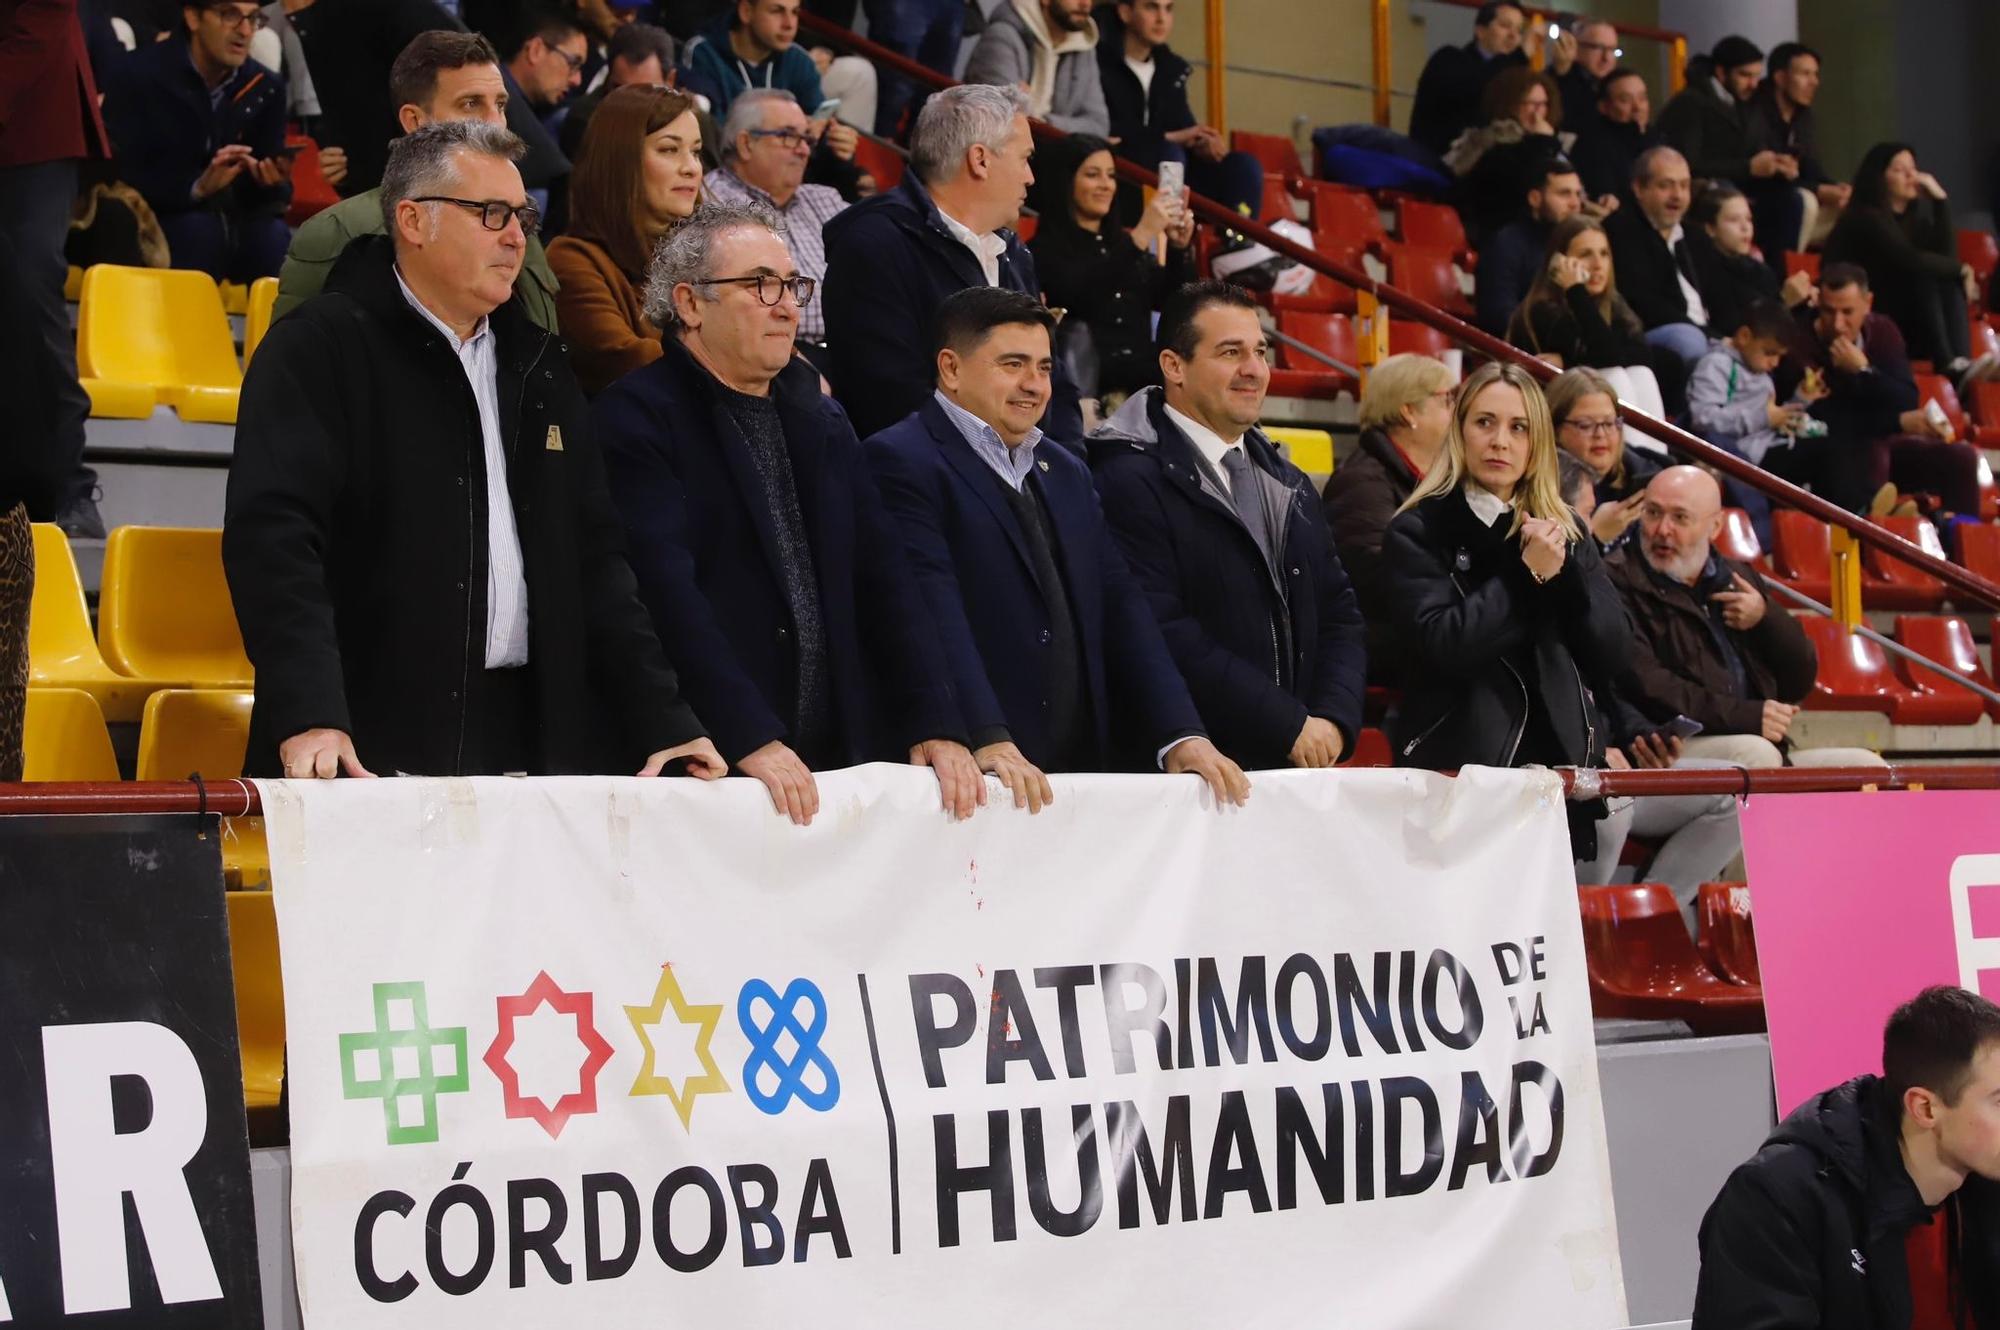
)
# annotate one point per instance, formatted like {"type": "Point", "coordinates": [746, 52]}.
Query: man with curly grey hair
{"type": "Point", "coordinates": [891, 260]}
{"type": "Point", "coordinates": [761, 545]}
{"type": "Point", "coordinates": [422, 556]}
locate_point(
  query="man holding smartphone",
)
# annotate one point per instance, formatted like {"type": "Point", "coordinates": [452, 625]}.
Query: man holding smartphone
{"type": "Point", "coordinates": [198, 128]}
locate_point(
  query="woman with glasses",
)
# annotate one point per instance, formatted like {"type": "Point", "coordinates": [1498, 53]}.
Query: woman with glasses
{"type": "Point", "coordinates": [1108, 279]}
{"type": "Point", "coordinates": [1583, 406]}
{"type": "Point", "coordinates": [1405, 415]}
{"type": "Point", "coordinates": [638, 176]}
{"type": "Point", "coordinates": [1500, 600]}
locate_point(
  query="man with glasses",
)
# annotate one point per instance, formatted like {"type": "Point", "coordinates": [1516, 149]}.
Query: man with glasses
{"type": "Point", "coordinates": [759, 541]}
{"type": "Point", "coordinates": [539, 75]}
{"type": "Point", "coordinates": [198, 128]}
{"type": "Point", "coordinates": [1581, 58]}
{"type": "Point", "coordinates": [766, 142]}
{"type": "Point", "coordinates": [1708, 640]}
{"type": "Point", "coordinates": [424, 562]}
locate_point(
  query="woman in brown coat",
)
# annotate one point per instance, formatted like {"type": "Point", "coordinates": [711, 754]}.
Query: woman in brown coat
{"type": "Point", "coordinates": [637, 175]}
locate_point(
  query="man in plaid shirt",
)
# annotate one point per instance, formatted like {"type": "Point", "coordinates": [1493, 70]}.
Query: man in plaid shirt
{"type": "Point", "coordinates": [766, 142]}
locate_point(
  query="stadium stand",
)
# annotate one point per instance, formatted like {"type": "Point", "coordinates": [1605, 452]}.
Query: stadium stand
{"type": "Point", "coordinates": [65, 737]}
{"type": "Point", "coordinates": [158, 331]}
{"type": "Point", "coordinates": [165, 617]}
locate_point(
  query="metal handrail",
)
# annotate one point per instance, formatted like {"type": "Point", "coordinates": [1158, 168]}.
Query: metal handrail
{"type": "Point", "coordinates": [1679, 440]}
{"type": "Point", "coordinates": [1887, 643]}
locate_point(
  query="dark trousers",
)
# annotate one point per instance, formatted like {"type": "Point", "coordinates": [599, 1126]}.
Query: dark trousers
{"type": "Point", "coordinates": [1836, 467]}
{"type": "Point", "coordinates": [501, 726]}
{"type": "Point", "coordinates": [1930, 313]}
{"type": "Point", "coordinates": [34, 212]}
{"type": "Point", "coordinates": [227, 248]}
{"type": "Point", "coordinates": [1777, 213]}
{"type": "Point", "coordinates": [926, 31]}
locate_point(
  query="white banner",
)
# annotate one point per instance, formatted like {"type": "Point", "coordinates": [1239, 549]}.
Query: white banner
{"type": "Point", "coordinates": [614, 1053]}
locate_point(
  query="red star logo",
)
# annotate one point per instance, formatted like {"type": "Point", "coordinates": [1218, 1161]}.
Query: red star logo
{"type": "Point", "coordinates": [552, 1117]}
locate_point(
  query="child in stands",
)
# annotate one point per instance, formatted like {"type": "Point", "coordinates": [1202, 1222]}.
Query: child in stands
{"type": "Point", "coordinates": [1733, 403]}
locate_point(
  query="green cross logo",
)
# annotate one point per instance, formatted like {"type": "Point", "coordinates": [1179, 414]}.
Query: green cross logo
{"type": "Point", "coordinates": [404, 1063]}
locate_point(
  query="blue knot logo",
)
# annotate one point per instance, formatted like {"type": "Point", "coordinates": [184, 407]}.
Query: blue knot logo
{"type": "Point", "coordinates": [768, 1062]}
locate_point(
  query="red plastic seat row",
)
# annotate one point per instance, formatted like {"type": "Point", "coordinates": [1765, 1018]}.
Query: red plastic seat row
{"type": "Point", "coordinates": [1434, 226]}
{"type": "Point", "coordinates": [1980, 250]}
{"type": "Point", "coordinates": [1946, 639]}
{"type": "Point", "coordinates": [1855, 674]}
{"type": "Point", "coordinates": [1801, 557]}
{"type": "Point", "coordinates": [1725, 938]}
{"type": "Point", "coordinates": [1431, 276]}
{"type": "Point", "coordinates": [1643, 965]}
{"type": "Point", "coordinates": [1298, 374]}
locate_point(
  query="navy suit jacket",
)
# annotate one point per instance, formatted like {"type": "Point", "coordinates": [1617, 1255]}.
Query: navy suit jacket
{"type": "Point", "coordinates": [971, 559]}
{"type": "Point", "coordinates": [704, 546]}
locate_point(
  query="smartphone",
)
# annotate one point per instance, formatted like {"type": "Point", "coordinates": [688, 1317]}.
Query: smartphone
{"type": "Point", "coordinates": [1555, 30]}
{"type": "Point", "coordinates": [827, 109]}
{"type": "Point", "coordinates": [1173, 178]}
{"type": "Point", "coordinates": [1681, 727]}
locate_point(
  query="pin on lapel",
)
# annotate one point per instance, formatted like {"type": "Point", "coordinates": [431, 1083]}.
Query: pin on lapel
{"type": "Point", "coordinates": [554, 443]}
{"type": "Point", "coordinates": [1043, 465]}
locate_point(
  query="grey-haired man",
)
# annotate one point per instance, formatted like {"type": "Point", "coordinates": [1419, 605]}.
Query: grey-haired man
{"type": "Point", "coordinates": [422, 555]}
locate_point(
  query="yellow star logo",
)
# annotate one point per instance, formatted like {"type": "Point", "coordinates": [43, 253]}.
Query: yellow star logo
{"type": "Point", "coordinates": [704, 1019]}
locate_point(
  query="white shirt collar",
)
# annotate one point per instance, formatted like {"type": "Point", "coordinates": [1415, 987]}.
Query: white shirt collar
{"type": "Point", "coordinates": [451, 338]}
{"type": "Point", "coordinates": [1487, 506]}
{"type": "Point", "coordinates": [1207, 442]}
{"type": "Point", "coordinates": [987, 247]}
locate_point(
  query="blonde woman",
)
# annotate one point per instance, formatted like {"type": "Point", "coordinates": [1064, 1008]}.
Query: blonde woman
{"type": "Point", "coordinates": [1506, 619]}
{"type": "Point", "coordinates": [1405, 414]}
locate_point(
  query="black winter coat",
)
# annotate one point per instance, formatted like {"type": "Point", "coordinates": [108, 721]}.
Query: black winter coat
{"type": "Point", "coordinates": [164, 129]}
{"type": "Point", "coordinates": [354, 44]}
{"type": "Point", "coordinates": [1604, 153]}
{"type": "Point", "coordinates": [1500, 667]}
{"type": "Point", "coordinates": [356, 549]}
{"type": "Point", "coordinates": [1716, 133]}
{"type": "Point", "coordinates": [1810, 1232]}
{"type": "Point", "coordinates": [705, 546]}
{"type": "Point", "coordinates": [1111, 286]}
{"type": "Point", "coordinates": [890, 262]}
{"type": "Point", "coordinates": [1141, 118]}
{"type": "Point", "coordinates": [1647, 273]}
{"type": "Point", "coordinates": [1361, 499]}
{"type": "Point", "coordinates": [1449, 92]}
{"type": "Point", "coordinates": [1261, 648]}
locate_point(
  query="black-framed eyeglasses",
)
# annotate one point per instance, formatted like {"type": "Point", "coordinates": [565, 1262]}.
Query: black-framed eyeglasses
{"type": "Point", "coordinates": [791, 138]}
{"type": "Point", "coordinates": [771, 288]}
{"type": "Point", "coordinates": [231, 16]}
{"type": "Point", "coordinates": [493, 214]}
{"type": "Point", "coordinates": [575, 62]}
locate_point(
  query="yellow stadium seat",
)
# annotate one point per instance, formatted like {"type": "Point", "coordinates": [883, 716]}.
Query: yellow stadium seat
{"type": "Point", "coordinates": [62, 651]}
{"type": "Point", "coordinates": [73, 284]}
{"type": "Point", "coordinates": [1310, 450]}
{"type": "Point", "coordinates": [163, 612]}
{"type": "Point", "coordinates": [260, 995]}
{"type": "Point", "coordinates": [158, 328]}
{"type": "Point", "coordinates": [257, 318]}
{"type": "Point", "coordinates": [110, 400]}
{"type": "Point", "coordinates": [189, 731]}
{"type": "Point", "coordinates": [64, 737]}
{"type": "Point", "coordinates": [235, 298]}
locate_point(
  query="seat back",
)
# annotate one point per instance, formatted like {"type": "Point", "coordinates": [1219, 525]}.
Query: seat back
{"type": "Point", "coordinates": [311, 192]}
{"type": "Point", "coordinates": [1801, 546]}
{"type": "Point", "coordinates": [1428, 275]}
{"type": "Point", "coordinates": [257, 316]}
{"type": "Point", "coordinates": [1854, 672]}
{"type": "Point", "coordinates": [1278, 155]}
{"type": "Point", "coordinates": [1986, 402]}
{"type": "Point", "coordinates": [194, 730]}
{"type": "Point", "coordinates": [1344, 218]}
{"type": "Point", "coordinates": [1887, 568]}
{"type": "Point", "coordinates": [1738, 537]}
{"type": "Point", "coordinates": [1979, 549]}
{"type": "Point", "coordinates": [1937, 388]}
{"type": "Point", "coordinates": [64, 737]}
{"type": "Point", "coordinates": [1981, 251]}
{"type": "Point", "coordinates": [162, 327]}
{"type": "Point", "coordinates": [1805, 263]}
{"type": "Point", "coordinates": [1407, 335]}
{"type": "Point", "coordinates": [1946, 639]}
{"type": "Point", "coordinates": [164, 611]}
{"type": "Point", "coordinates": [1433, 225]}
{"type": "Point", "coordinates": [1277, 205]}
{"type": "Point", "coordinates": [1329, 333]}
{"type": "Point", "coordinates": [879, 160]}
{"type": "Point", "coordinates": [1310, 450]}
{"type": "Point", "coordinates": [1728, 942]}
{"type": "Point", "coordinates": [1371, 749]}
{"type": "Point", "coordinates": [260, 995]}
{"type": "Point", "coordinates": [60, 643]}
{"type": "Point", "coordinates": [1635, 941]}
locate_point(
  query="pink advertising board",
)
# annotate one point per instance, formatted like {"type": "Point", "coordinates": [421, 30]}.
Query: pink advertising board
{"type": "Point", "coordinates": [1859, 901]}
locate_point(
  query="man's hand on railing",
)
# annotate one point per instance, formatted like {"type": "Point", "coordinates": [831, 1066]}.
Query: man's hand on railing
{"type": "Point", "coordinates": [320, 755]}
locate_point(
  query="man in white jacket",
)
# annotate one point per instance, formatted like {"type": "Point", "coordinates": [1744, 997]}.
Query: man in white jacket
{"type": "Point", "coordinates": [1048, 48]}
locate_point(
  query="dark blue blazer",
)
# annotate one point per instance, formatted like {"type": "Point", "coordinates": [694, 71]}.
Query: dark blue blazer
{"type": "Point", "coordinates": [165, 130]}
{"type": "Point", "coordinates": [972, 560]}
{"type": "Point", "coordinates": [1261, 647]}
{"type": "Point", "coordinates": [890, 262]}
{"type": "Point", "coordinates": [704, 547]}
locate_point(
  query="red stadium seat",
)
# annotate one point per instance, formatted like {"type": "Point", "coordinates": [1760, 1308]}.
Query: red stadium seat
{"type": "Point", "coordinates": [879, 160]}
{"type": "Point", "coordinates": [1937, 388]}
{"type": "Point", "coordinates": [1726, 939]}
{"type": "Point", "coordinates": [311, 193]}
{"type": "Point", "coordinates": [1946, 639]}
{"type": "Point", "coordinates": [1890, 584]}
{"type": "Point", "coordinates": [1025, 226]}
{"type": "Point", "coordinates": [1643, 965]}
{"type": "Point", "coordinates": [1278, 154]}
{"type": "Point", "coordinates": [1982, 251]}
{"type": "Point", "coordinates": [1298, 374]}
{"type": "Point", "coordinates": [1407, 335]}
{"type": "Point", "coordinates": [1432, 225]}
{"type": "Point", "coordinates": [1428, 275]}
{"type": "Point", "coordinates": [1855, 675]}
{"type": "Point", "coordinates": [1797, 262]}
{"type": "Point", "coordinates": [1324, 296]}
{"type": "Point", "coordinates": [1371, 749]}
{"type": "Point", "coordinates": [1986, 408]}
{"type": "Point", "coordinates": [1277, 202]}
{"type": "Point", "coordinates": [1979, 550]}
{"type": "Point", "coordinates": [1738, 538]}
{"type": "Point", "coordinates": [1801, 553]}
{"type": "Point", "coordinates": [1345, 218]}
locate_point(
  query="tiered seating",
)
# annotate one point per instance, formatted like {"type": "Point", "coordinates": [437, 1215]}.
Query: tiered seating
{"type": "Point", "coordinates": [1345, 219]}
{"type": "Point", "coordinates": [1727, 942]}
{"type": "Point", "coordinates": [165, 615]}
{"type": "Point", "coordinates": [1801, 553]}
{"type": "Point", "coordinates": [64, 738]}
{"type": "Point", "coordinates": [1937, 388]}
{"type": "Point", "coordinates": [1986, 410]}
{"type": "Point", "coordinates": [1979, 550]}
{"type": "Point", "coordinates": [1889, 583]}
{"type": "Point", "coordinates": [204, 732]}
{"type": "Point", "coordinates": [1947, 640]}
{"type": "Point", "coordinates": [260, 995]}
{"type": "Point", "coordinates": [1643, 965]}
{"type": "Point", "coordinates": [1277, 206]}
{"type": "Point", "coordinates": [1738, 539]}
{"type": "Point", "coordinates": [1428, 275]}
{"type": "Point", "coordinates": [156, 335]}
{"type": "Point", "coordinates": [1324, 296]}
{"type": "Point", "coordinates": [1407, 335]}
{"type": "Point", "coordinates": [1279, 155]}
{"type": "Point", "coordinates": [1855, 675]}
{"type": "Point", "coordinates": [62, 650]}
{"type": "Point", "coordinates": [257, 316]}
{"type": "Point", "coordinates": [1434, 226]}
{"type": "Point", "coordinates": [1298, 374]}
